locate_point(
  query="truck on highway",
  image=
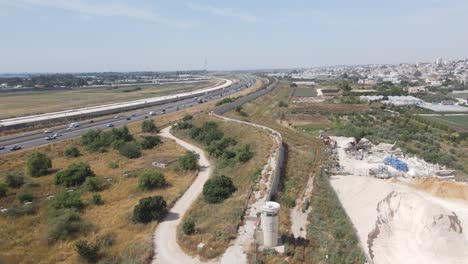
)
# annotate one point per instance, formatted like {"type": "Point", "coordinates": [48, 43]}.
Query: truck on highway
{"type": "Point", "coordinates": [73, 125]}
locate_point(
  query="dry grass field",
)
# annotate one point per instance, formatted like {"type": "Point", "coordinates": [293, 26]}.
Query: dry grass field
{"type": "Point", "coordinates": [217, 224]}
{"type": "Point", "coordinates": [24, 238]}
{"type": "Point", "coordinates": [19, 104]}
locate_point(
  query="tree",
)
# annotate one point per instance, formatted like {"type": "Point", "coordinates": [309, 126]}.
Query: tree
{"type": "Point", "coordinates": [149, 142]}
{"type": "Point", "coordinates": [149, 209]}
{"type": "Point", "coordinates": [64, 223]}
{"type": "Point", "coordinates": [189, 161]}
{"type": "Point", "coordinates": [87, 251]}
{"type": "Point", "coordinates": [151, 179]}
{"type": "Point", "coordinates": [417, 74]}
{"type": "Point", "coordinates": [38, 164]}
{"type": "Point", "coordinates": [97, 199]}
{"type": "Point", "coordinates": [130, 150]}
{"type": "Point", "coordinates": [148, 126]}
{"type": "Point", "coordinates": [14, 179]}
{"type": "Point", "coordinates": [188, 227]}
{"type": "Point", "coordinates": [72, 152]}
{"type": "Point", "coordinates": [74, 175]}
{"type": "Point", "coordinates": [217, 189]}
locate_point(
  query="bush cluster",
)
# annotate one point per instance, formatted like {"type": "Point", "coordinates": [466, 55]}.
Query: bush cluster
{"type": "Point", "coordinates": [99, 140]}
{"type": "Point", "coordinates": [38, 164]}
{"type": "Point", "coordinates": [189, 161]}
{"type": "Point", "coordinates": [130, 150]}
{"type": "Point", "coordinates": [74, 175]}
{"type": "Point", "coordinates": [149, 142]}
{"type": "Point", "coordinates": [88, 251]}
{"type": "Point", "coordinates": [64, 224]}
{"type": "Point", "coordinates": [217, 189]}
{"type": "Point", "coordinates": [149, 209]}
{"type": "Point", "coordinates": [188, 227]}
{"type": "Point", "coordinates": [148, 126]}
{"type": "Point", "coordinates": [14, 179]}
{"type": "Point", "coordinates": [72, 152]}
{"type": "Point", "coordinates": [151, 179]}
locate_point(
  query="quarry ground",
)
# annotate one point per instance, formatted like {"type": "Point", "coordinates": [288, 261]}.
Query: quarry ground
{"type": "Point", "coordinates": [404, 220]}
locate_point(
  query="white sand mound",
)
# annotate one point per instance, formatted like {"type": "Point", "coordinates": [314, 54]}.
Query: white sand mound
{"type": "Point", "coordinates": [398, 224]}
{"type": "Point", "coordinates": [409, 229]}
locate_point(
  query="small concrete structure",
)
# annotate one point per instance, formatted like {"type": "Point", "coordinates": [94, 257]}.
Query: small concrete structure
{"type": "Point", "coordinates": [270, 222]}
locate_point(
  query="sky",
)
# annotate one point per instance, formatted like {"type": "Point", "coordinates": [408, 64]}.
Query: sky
{"type": "Point", "coordinates": [154, 35]}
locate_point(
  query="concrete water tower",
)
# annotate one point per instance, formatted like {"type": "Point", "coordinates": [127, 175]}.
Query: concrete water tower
{"type": "Point", "coordinates": [270, 222]}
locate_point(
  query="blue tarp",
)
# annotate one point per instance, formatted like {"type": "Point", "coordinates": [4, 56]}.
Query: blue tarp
{"type": "Point", "coordinates": [396, 163]}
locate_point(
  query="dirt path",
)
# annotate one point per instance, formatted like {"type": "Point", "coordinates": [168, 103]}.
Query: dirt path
{"type": "Point", "coordinates": [167, 250]}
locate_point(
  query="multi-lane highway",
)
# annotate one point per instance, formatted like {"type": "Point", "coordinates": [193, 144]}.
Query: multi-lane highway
{"type": "Point", "coordinates": [38, 138]}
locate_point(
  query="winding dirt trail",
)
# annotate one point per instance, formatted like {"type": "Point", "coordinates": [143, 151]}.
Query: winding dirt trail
{"type": "Point", "coordinates": [167, 250]}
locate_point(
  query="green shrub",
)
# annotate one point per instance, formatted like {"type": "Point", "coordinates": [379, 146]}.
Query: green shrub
{"type": "Point", "coordinates": [3, 189]}
{"type": "Point", "coordinates": [282, 104]}
{"type": "Point", "coordinates": [183, 125]}
{"type": "Point", "coordinates": [149, 142]}
{"type": "Point", "coordinates": [97, 199]}
{"type": "Point", "coordinates": [244, 154]}
{"type": "Point", "coordinates": [25, 197]}
{"type": "Point", "coordinates": [21, 210]}
{"type": "Point", "coordinates": [217, 189]}
{"type": "Point", "coordinates": [187, 117]}
{"type": "Point", "coordinates": [218, 147]}
{"type": "Point", "coordinates": [188, 227]}
{"type": "Point", "coordinates": [74, 175]}
{"type": "Point", "coordinates": [88, 251]}
{"type": "Point", "coordinates": [130, 151]}
{"type": "Point", "coordinates": [96, 140]}
{"type": "Point", "coordinates": [38, 164]}
{"type": "Point", "coordinates": [207, 133]}
{"type": "Point", "coordinates": [14, 179]}
{"type": "Point", "coordinates": [149, 209]}
{"type": "Point", "coordinates": [113, 164]}
{"type": "Point", "coordinates": [148, 126]}
{"type": "Point", "coordinates": [63, 224]}
{"type": "Point", "coordinates": [151, 179]}
{"type": "Point", "coordinates": [72, 152]}
{"type": "Point", "coordinates": [94, 184]}
{"type": "Point", "coordinates": [189, 161]}
{"type": "Point", "coordinates": [66, 200]}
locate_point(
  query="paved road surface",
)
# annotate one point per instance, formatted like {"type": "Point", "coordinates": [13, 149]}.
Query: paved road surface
{"type": "Point", "coordinates": [167, 251]}
{"type": "Point", "coordinates": [37, 138]}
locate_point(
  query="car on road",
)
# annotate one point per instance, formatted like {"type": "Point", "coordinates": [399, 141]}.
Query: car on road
{"type": "Point", "coordinates": [2, 147]}
{"type": "Point", "coordinates": [134, 115]}
{"type": "Point", "coordinates": [48, 131]}
{"type": "Point", "coordinates": [152, 113]}
{"type": "Point", "coordinates": [146, 117]}
{"type": "Point", "coordinates": [73, 125]}
{"type": "Point", "coordinates": [91, 121]}
{"type": "Point", "coordinates": [15, 148]}
{"type": "Point", "coordinates": [109, 125]}
{"type": "Point", "coordinates": [117, 116]}
{"type": "Point", "coordinates": [129, 118]}
{"type": "Point", "coordinates": [50, 138]}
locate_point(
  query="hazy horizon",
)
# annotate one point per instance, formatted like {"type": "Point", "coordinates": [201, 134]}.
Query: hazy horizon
{"type": "Point", "coordinates": [74, 36]}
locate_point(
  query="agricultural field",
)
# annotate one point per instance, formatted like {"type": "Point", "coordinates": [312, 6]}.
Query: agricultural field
{"type": "Point", "coordinates": [216, 223]}
{"type": "Point", "coordinates": [456, 122]}
{"type": "Point", "coordinates": [19, 104]}
{"type": "Point", "coordinates": [304, 92]}
{"type": "Point", "coordinates": [327, 108]}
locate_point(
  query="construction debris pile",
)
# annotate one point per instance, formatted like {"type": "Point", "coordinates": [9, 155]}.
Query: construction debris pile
{"type": "Point", "coordinates": [383, 160]}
